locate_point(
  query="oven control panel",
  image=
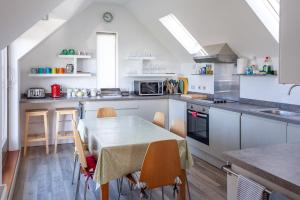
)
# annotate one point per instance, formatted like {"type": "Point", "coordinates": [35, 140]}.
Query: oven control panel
{"type": "Point", "coordinates": [198, 108]}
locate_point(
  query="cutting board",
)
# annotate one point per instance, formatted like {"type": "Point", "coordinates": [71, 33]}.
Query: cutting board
{"type": "Point", "coordinates": [195, 96]}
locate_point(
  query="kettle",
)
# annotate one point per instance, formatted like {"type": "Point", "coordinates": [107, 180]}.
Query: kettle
{"type": "Point", "coordinates": [55, 90]}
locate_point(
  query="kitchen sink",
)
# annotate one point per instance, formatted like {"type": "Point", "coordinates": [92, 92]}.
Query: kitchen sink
{"type": "Point", "coordinates": [281, 112]}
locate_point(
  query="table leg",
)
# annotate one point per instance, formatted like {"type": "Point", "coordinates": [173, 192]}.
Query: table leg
{"type": "Point", "coordinates": [182, 194]}
{"type": "Point", "coordinates": [104, 195]}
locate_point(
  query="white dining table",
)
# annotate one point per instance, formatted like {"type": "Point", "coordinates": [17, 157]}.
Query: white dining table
{"type": "Point", "coordinates": [120, 144]}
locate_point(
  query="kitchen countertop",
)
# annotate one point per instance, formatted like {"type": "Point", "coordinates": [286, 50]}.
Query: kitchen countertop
{"type": "Point", "coordinates": [235, 107]}
{"type": "Point", "coordinates": [276, 163]}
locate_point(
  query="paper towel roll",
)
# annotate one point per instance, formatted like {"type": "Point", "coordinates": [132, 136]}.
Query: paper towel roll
{"type": "Point", "coordinates": [242, 63]}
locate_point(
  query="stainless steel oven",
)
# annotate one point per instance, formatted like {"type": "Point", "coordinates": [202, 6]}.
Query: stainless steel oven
{"type": "Point", "coordinates": [148, 88]}
{"type": "Point", "coordinates": [198, 123]}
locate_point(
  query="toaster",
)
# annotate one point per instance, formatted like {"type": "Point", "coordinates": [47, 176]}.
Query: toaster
{"type": "Point", "coordinates": [36, 93]}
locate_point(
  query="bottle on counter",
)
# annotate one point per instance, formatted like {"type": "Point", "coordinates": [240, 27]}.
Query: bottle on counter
{"type": "Point", "coordinates": [267, 68]}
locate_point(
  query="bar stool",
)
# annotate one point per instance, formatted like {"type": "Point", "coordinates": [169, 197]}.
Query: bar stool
{"type": "Point", "coordinates": [63, 135]}
{"type": "Point", "coordinates": [36, 137]}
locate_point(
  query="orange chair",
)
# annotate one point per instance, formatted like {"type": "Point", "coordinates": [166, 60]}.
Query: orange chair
{"type": "Point", "coordinates": [86, 168]}
{"type": "Point", "coordinates": [106, 112]}
{"type": "Point", "coordinates": [161, 167]}
{"type": "Point", "coordinates": [159, 119]}
{"type": "Point", "coordinates": [178, 128]}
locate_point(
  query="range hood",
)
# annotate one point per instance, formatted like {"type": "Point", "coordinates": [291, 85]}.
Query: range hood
{"type": "Point", "coordinates": [218, 53]}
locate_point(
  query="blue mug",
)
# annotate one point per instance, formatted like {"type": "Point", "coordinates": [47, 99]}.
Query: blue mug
{"type": "Point", "coordinates": [48, 70]}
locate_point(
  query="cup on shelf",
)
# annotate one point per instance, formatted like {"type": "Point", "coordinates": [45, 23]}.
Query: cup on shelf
{"type": "Point", "coordinates": [48, 70]}
{"type": "Point", "coordinates": [61, 70]}
{"type": "Point", "coordinates": [53, 71]}
{"type": "Point", "coordinates": [41, 70]}
{"type": "Point", "coordinates": [34, 70]}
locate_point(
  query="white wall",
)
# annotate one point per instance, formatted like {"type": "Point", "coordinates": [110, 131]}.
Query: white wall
{"type": "Point", "coordinates": [210, 22]}
{"type": "Point", "coordinates": [18, 16]}
{"type": "Point", "coordinates": [80, 33]}
{"type": "Point", "coordinates": [268, 88]}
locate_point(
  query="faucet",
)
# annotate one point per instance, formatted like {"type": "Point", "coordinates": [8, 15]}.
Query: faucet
{"type": "Point", "coordinates": [292, 87]}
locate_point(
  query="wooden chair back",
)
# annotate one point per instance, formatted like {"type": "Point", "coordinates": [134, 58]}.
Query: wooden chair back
{"type": "Point", "coordinates": [106, 112]}
{"type": "Point", "coordinates": [159, 119]}
{"type": "Point", "coordinates": [80, 149]}
{"type": "Point", "coordinates": [178, 127]}
{"type": "Point", "coordinates": [161, 164]}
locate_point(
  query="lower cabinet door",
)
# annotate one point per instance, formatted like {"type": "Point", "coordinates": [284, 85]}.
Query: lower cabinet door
{"type": "Point", "coordinates": [293, 133]}
{"type": "Point", "coordinates": [258, 131]}
{"type": "Point", "coordinates": [224, 131]}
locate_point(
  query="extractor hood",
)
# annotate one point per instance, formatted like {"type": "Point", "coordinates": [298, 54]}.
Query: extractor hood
{"type": "Point", "coordinates": [218, 53]}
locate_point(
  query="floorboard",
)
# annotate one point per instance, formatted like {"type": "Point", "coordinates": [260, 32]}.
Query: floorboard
{"type": "Point", "coordinates": [49, 177]}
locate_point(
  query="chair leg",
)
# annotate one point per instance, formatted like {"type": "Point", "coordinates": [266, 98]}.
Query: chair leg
{"type": "Point", "coordinates": [56, 132]}
{"type": "Point", "coordinates": [77, 186]}
{"type": "Point", "coordinates": [188, 187]}
{"type": "Point", "coordinates": [162, 193]}
{"type": "Point", "coordinates": [26, 134]}
{"type": "Point", "coordinates": [120, 188]}
{"type": "Point", "coordinates": [85, 187]}
{"type": "Point", "coordinates": [74, 167]}
{"type": "Point", "coordinates": [151, 194]}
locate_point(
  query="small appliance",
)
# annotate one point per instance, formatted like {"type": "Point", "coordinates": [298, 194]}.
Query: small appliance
{"type": "Point", "coordinates": [55, 90]}
{"type": "Point", "coordinates": [36, 93]}
{"type": "Point", "coordinates": [148, 88]}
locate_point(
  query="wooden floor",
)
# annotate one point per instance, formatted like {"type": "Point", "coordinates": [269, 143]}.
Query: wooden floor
{"type": "Point", "coordinates": [48, 177]}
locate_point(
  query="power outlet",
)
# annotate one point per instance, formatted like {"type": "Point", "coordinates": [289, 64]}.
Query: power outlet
{"type": "Point", "coordinates": [193, 87]}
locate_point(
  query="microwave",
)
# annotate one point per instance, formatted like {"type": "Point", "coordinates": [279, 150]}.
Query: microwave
{"type": "Point", "coordinates": [149, 88]}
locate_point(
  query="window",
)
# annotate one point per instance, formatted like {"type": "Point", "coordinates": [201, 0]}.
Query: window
{"type": "Point", "coordinates": [107, 60]}
{"type": "Point", "coordinates": [182, 35]}
{"type": "Point", "coordinates": [268, 13]}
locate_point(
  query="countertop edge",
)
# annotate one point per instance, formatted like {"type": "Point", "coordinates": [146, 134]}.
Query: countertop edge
{"type": "Point", "coordinates": [262, 173]}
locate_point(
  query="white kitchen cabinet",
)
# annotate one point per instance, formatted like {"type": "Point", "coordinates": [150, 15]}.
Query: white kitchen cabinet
{"type": "Point", "coordinates": [177, 110]}
{"type": "Point", "coordinates": [224, 131]}
{"type": "Point", "coordinates": [293, 133]}
{"type": "Point", "coordinates": [258, 131]}
{"type": "Point", "coordinates": [289, 45]}
{"type": "Point", "coordinates": [142, 108]}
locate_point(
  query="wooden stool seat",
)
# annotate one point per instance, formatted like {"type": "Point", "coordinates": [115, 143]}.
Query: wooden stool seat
{"type": "Point", "coordinates": [63, 135]}
{"type": "Point", "coordinates": [29, 138]}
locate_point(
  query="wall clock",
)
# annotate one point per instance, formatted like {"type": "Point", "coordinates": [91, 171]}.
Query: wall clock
{"type": "Point", "coordinates": [107, 17]}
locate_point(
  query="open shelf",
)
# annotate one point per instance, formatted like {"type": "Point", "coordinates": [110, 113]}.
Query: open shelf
{"type": "Point", "coordinates": [75, 56]}
{"type": "Point", "coordinates": [141, 58]}
{"type": "Point", "coordinates": [271, 75]}
{"type": "Point", "coordinates": [61, 75]}
{"type": "Point", "coordinates": [151, 75]}
{"type": "Point", "coordinates": [202, 74]}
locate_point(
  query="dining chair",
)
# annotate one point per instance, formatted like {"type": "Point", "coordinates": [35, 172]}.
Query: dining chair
{"type": "Point", "coordinates": [106, 112]}
{"type": "Point", "coordinates": [159, 119]}
{"type": "Point", "coordinates": [161, 167]}
{"type": "Point", "coordinates": [87, 164]}
{"type": "Point", "coordinates": [178, 128]}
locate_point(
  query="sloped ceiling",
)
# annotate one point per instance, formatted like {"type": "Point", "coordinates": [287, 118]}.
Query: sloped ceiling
{"type": "Point", "coordinates": [210, 22]}
{"type": "Point", "coordinates": [17, 16]}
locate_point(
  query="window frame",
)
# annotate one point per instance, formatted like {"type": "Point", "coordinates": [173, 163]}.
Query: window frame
{"type": "Point", "coordinates": [116, 59]}
{"type": "Point", "coordinates": [171, 22]}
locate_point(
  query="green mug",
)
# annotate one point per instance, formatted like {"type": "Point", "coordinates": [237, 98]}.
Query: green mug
{"type": "Point", "coordinates": [71, 52]}
{"type": "Point", "coordinates": [64, 52]}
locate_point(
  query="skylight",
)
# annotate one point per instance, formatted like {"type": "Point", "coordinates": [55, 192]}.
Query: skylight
{"type": "Point", "coordinates": [182, 35]}
{"type": "Point", "coordinates": [268, 13]}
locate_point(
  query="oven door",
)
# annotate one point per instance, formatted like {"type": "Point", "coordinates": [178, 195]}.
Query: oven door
{"type": "Point", "coordinates": [150, 88]}
{"type": "Point", "coordinates": [198, 126]}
